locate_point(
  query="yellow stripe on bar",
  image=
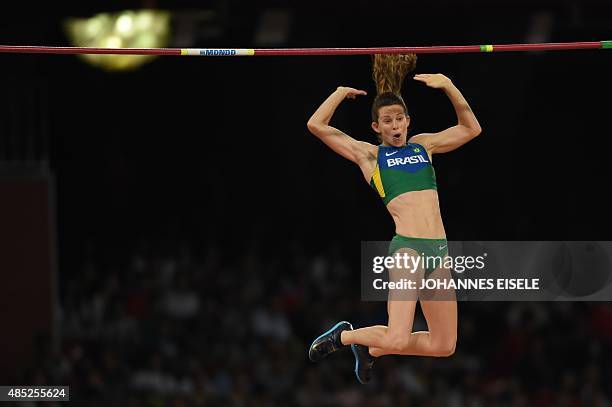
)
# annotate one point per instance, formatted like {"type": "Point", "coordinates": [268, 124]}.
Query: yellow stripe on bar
{"type": "Point", "coordinates": [486, 48]}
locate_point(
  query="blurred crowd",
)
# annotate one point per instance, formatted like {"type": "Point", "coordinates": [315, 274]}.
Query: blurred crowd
{"type": "Point", "coordinates": [182, 324]}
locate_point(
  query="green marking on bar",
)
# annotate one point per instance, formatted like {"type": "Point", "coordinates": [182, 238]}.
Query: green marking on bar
{"type": "Point", "coordinates": [606, 44]}
{"type": "Point", "coordinates": [486, 48]}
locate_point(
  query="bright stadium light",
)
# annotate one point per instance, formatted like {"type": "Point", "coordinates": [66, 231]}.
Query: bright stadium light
{"type": "Point", "coordinates": [125, 29]}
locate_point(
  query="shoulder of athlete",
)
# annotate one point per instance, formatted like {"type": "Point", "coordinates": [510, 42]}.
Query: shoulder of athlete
{"type": "Point", "coordinates": [424, 140]}
{"type": "Point", "coordinates": [366, 151]}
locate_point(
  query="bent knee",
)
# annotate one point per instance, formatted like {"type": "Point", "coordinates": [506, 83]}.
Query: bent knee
{"type": "Point", "coordinates": [445, 348]}
{"type": "Point", "coordinates": [396, 344]}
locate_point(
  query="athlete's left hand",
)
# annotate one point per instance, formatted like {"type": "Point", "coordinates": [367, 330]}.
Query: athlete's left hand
{"type": "Point", "coordinates": [436, 80]}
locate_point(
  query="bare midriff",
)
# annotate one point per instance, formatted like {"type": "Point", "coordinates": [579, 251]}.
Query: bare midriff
{"type": "Point", "coordinates": [417, 214]}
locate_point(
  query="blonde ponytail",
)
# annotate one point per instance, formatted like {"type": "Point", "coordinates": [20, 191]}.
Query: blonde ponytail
{"type": "Point", "coordinates": [389, 71]}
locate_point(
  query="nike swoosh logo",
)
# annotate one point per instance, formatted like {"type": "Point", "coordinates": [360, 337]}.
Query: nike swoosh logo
{"type": "Point", "coordinates": [442, 247]}
{"type": "Point", "coordinates": [388, 154]}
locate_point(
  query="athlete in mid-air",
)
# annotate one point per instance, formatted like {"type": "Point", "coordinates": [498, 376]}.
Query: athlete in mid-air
{"type": "Point", "coordinates": [400, 170]}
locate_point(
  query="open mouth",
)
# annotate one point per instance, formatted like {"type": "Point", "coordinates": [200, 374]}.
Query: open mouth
{"type": "Point", "coordinates": [397, 136]}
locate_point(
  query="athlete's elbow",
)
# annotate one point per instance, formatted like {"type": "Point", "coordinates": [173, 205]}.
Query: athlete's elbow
{"type": "Point", "coordinates": [469, 130]}
{"type": "Point", "coordinates": [476, 128]}
{"type": "Point", "coordinates": [315, 128]}
{"type": "Point", "coordinates": [311, 126]}
{"type": "Point", "coordinates": [475, 131]}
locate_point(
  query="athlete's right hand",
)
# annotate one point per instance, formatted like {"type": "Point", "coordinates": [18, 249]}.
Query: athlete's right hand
{"type": "Point", "coordinates": [350, 93]}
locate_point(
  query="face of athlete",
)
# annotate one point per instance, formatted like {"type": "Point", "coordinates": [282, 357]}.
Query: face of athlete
{"type": "Point", "coordinates": [392, 125]}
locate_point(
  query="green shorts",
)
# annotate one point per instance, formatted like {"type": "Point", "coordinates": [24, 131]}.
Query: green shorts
{"type": "Point", "coordinates": [433, 251]}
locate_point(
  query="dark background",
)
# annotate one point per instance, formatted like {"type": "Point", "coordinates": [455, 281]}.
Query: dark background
{"type": "Point", "coordinates": [198, 177]}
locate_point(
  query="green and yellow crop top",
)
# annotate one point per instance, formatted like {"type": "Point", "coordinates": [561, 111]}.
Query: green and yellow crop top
{"type": "Point", "coordinates": [402, 169]}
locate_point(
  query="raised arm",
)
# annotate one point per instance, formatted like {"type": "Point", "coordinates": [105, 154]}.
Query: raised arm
{"type": "Point", "coordinates": [467, 127]}
{"type": "Point", "coordinates": [338, 141]}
